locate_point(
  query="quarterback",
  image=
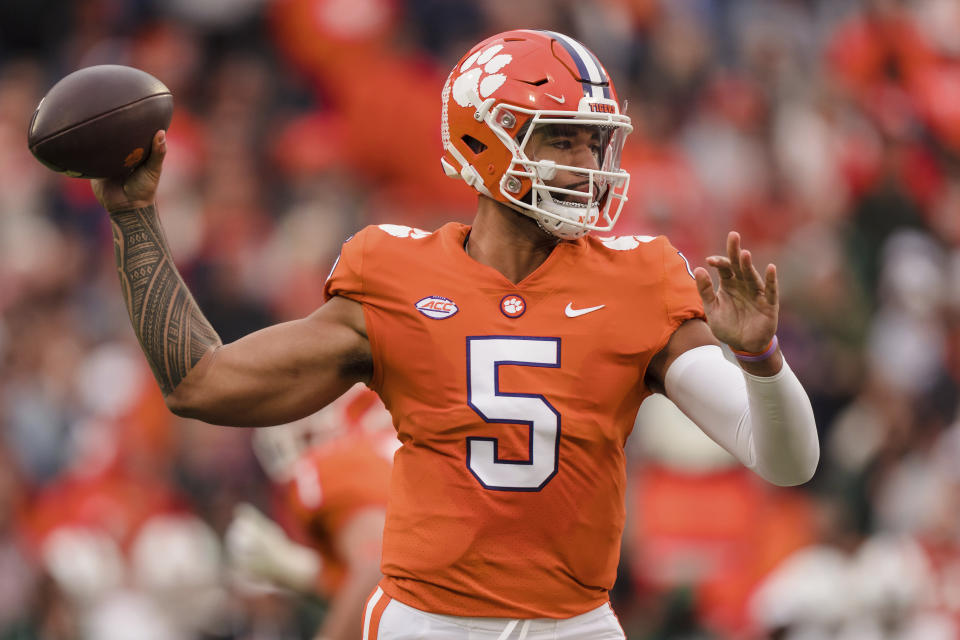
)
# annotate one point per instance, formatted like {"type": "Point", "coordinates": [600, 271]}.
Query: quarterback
{"type": "Point", "coordinates": [513, 353]}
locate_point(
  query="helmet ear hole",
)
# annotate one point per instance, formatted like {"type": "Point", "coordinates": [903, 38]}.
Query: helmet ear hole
{"type": "Point", "coordinates": [475, 145]}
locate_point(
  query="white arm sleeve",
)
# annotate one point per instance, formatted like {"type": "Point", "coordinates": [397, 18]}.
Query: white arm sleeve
{"type": "Point", "coordinates": [766, 422]}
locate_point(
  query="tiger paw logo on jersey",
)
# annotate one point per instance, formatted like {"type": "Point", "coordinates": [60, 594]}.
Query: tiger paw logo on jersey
{"type": "Point", "coordinates": [472, 80]}
{"type": "Point", "coordinates": [437, 307]}
{"type": "Point", "coordinates": [403, 231]}
{"type": "Point", "coordinates": [624, 243]}
{"type": "Point", "coordinates": [512, 306]}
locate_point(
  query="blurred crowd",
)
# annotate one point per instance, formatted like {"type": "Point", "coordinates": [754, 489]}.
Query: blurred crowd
{"type": "Point", "coordinates": [826, 131]}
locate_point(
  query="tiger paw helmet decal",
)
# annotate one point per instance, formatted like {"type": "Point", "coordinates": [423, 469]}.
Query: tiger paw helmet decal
{"type": "Point", "coordinates": [479, 75]}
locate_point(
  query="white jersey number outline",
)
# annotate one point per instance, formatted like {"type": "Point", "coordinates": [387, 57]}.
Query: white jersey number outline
{"type": "Point", "coordinates": [485, 356]}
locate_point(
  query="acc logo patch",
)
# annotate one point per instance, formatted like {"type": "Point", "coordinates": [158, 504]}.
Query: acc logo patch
{"type": "Point", "coordinates": [437, 307]}
{"type": "Point", "coordinates": [513, 306]}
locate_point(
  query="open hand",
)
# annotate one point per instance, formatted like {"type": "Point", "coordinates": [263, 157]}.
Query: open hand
{"type": "Point", "coordinates": [743, 311]}
{"type": "Point", "coordinates": [137, 190]}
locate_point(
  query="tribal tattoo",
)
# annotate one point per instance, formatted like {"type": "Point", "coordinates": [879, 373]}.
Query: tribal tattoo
{"type": "Point", "coordinates": [172, 330]}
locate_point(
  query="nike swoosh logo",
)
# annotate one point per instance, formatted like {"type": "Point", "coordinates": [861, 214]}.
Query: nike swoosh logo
{"type": "Point", "coordinates": [561, 99]}
{"type": "Point", "coordinates": [573, 313]}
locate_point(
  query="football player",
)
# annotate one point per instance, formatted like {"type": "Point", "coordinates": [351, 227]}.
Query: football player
{"type": "Point", "coordinates": [513, 353]}
{"type": "Point", "coordinates": [333, 472]}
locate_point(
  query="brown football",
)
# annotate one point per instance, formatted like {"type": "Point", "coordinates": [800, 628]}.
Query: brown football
{"type": "Point", "coordinates": [98, 122]}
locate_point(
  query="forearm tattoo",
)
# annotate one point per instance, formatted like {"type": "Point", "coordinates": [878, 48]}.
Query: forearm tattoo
{"type": "Point", "coordinates": [172, 330]}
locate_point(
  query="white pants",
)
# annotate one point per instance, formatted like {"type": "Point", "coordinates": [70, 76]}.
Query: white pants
{"type": "Point", "coordinates": [387, 619]}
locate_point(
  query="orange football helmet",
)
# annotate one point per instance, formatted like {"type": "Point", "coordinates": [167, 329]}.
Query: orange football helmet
{"type": "Point", "coordinates": [499, 93]}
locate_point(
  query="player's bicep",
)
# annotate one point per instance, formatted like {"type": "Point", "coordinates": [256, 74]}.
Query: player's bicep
{"type": "Point", "coordinates": [280, 373]}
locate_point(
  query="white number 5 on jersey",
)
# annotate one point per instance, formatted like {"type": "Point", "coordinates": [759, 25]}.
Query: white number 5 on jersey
{"type": "Point", "coordinates": [485, 356]}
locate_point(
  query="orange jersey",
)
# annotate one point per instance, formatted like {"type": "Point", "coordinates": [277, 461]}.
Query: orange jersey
{"type": "Point", "coordinates": [512, 403]}
{"type": "Point", "coordinates": [330, 484]}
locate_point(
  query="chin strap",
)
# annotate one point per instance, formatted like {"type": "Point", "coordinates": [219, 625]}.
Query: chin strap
{"type": "Point", "coordinates": [550, 226]}
{"type": "Point", "coordinates": [564, 228]}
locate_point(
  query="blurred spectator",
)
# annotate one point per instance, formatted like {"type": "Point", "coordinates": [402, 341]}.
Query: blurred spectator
{"type": "Point", "coordinates": [701, 527]}
{"type": "Point", "coordinates": [19, 577]}
{"type": "Point", "coordinates": [333, 469]}
{"type": "Point", "coordinates": [827, 132]}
